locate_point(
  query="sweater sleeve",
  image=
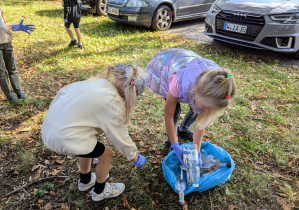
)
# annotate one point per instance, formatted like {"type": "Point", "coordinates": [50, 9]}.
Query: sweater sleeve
{"type": "Point", "coordinates": [119, 137]}
{"type": "Point", "coordinates": [110, 115]}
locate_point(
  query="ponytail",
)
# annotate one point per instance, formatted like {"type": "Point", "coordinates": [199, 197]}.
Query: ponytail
{"type": "Point", "coordinates": [130, 77]}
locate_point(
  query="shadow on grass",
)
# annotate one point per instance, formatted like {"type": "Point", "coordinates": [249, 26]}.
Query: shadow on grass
{"type": "Point", "coordinates": [24, 111]}
{"type": "Point", "coordinates": [109, 28]}
{"type": "Point", "coordinates": [51, 13]}
{"type": "Point", "coordinates": [21, 2]}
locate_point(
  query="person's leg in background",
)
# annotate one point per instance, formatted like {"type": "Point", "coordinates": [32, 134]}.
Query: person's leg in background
{"type": "Point", "coordinates": [70, 33]}
{"type": "Point", "coordinates": [7, 62]}
{"type": "Point", "coordinates": [184, 129]}
{"type": "Point", "coordinates": [77, 30]}
{"type": "Point", "coordinates": [13, 74]}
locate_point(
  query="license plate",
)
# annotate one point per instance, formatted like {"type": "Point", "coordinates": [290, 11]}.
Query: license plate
{"type": "Point", "coordinates": [235, 28]}
{"type": "Point", "coordinates": [113, 10]}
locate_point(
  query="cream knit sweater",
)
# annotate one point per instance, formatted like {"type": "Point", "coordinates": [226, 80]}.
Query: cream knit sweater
{"type": "Point", "coordinates": [82, 110]}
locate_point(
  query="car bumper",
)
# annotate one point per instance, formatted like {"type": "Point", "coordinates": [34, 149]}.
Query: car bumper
{"type": "Point", "coordinates": [133, 16]}
{"type": "Point", "coordinates": [271, 35]}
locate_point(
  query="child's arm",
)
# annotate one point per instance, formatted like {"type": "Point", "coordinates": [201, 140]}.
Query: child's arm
{"type": "Point", "coordinates": [8, 25]}
{"type": "Point", "coordinates": [198, 136]}
{"type": "Point", "coordinates": [169, 111]}
{"type": "Point", "coordinates": [197, 139]}
{"type": "Point", "coordinates": [170, 106]}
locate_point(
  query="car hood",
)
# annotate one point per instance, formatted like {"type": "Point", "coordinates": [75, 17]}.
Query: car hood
{"type": "Point", "coordinates": [260, 6]}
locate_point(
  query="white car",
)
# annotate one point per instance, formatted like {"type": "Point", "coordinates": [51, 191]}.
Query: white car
{"type": "Point", "coordinates": [261, 24]}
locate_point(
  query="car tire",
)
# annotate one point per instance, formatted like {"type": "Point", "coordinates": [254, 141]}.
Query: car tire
{"type": "Point", "coordinates": [101, 7]}
{"type": "Point", "coordinates": [162, 19]}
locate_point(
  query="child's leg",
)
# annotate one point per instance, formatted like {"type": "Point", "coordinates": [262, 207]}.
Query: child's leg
{"type": "Point", "coordinates": [69, 31]}
{"type": "Point", "coordinates": [77, 30]}
{"type": "Point", "coordinates": [88, 179]}
{"type": "Point", "coordinates": [103, 165]}
{"type": "Point", "coordinates": [188, 120]}
{"type": "Point", "coordinates": [103, 189]}
{"type": "Point", "coordinates": [85, 164]}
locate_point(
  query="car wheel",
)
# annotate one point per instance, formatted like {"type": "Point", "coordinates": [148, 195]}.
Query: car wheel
{"type": "Point", "coordinates": [102, 7]}
{"type": "Point", "coordinates": [162, 18]}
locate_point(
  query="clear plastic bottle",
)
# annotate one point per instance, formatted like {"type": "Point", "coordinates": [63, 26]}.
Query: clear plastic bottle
{"type": "Point", "coordinates": [180, 185]}
{"type": "Point", "coordinates": [211, 164]}
{"type": "Point", "coordinates": [193, 171]}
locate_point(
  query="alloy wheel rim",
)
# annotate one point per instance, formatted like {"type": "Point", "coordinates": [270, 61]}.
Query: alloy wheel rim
{"type": "Point", "coordinates": [103, 5]}
{"type": "Point", "coordinates": [163, 19]}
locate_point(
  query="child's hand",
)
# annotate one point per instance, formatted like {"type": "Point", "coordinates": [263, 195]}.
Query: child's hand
{"type": "Point", "coordinates": [179, 152]}
{"type": "Point", "coordinates": [140, 161]}
{"type": "Point", "coordinates": [21, 27]}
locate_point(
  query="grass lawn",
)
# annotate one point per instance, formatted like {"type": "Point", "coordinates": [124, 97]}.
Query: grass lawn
{"type": "Point", "coordinates": [260, 131]}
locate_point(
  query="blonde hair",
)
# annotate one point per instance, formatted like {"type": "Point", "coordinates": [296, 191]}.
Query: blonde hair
{"type": "Point", "coordinates": [214, 89]}
{"type": "Point", "coordinates": [128, 91]}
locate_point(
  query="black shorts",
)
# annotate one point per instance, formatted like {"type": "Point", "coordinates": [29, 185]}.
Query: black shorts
{"type": "Point", "coordinates": [97, 151]}
{"type": "Point", "coordinates": [68, 24]}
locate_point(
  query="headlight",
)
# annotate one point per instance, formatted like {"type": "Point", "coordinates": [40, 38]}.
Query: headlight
{"type": "Point", "coordinates": [214, 9]}
{"type": "Point", "coordinates": [137, 3]}
{"type": "Point", "coordinates": [286, 18]}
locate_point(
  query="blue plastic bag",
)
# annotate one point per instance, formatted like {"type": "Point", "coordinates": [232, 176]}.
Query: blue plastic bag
{"type": "Point", "coordinates": [171, 167]}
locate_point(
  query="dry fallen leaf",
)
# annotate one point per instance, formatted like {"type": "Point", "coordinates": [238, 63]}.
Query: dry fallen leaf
{"type": "Point", "coordinates": [125, 203]}
{"type": "Point", "coordinates": [64, 207]}
{"type": "Point", "coordinates": [59, 161]}
{"type": "Point", "coordinates": [37, 175]}
{"type": "Point", "coordinates": [231, 207]}
{"type": "Point", "coordinates": [48, 206]}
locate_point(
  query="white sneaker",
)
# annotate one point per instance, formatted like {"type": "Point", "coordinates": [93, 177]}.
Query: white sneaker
{"type": "Point", "coordinates": [93, 179]}
{"type": "Point", "coordinates": [84, 187]}
{"type": "Point", "coordinates": [110, 191]}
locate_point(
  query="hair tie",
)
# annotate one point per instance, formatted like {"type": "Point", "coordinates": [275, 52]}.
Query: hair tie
{"type": "Point", "coordinates": [133, 83]}
{"type": "Point", "coordinates": [126, 68]}
{"type": "Point", "coordinates": [229, 75]}
{"type": "Point", "coordinates": [227, 97]}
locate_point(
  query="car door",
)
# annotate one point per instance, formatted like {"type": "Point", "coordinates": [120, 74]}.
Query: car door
{"type": "Point", "coordinates": [192, 8]}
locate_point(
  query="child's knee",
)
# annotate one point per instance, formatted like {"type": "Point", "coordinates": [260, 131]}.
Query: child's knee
{"type": "Point", "coordinates": [108, 154]}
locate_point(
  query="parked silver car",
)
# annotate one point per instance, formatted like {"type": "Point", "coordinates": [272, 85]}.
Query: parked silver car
{"type": "Point", "coordinates": [157, 14]}
{"type": "Point", "coordinates": [261, 24]}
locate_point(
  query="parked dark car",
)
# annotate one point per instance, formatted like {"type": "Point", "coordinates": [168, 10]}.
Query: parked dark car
{"type": "Point", "coordinates": [260, 24]}
{"type": "Point", "coordinates": [157, 14]}
{"type": "Point", "coordinates": [95, 6]}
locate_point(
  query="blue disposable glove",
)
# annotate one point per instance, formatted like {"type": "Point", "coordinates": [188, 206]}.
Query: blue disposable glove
{"type": "Point", "coordinates": [140, 161]}
{"type": "Point", "coordinates": [21, 27]}
{"type": "Point", "coordinates": [199, 160]}
{"type": "Point", "coordinates": [179, 152]}
{"type": "Point", "coordinates": [65, 20]}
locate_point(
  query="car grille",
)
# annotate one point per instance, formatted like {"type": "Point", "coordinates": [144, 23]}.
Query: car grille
{"type": "Point", "coordinates": [254, 23]}
{"type": "Point", "coordinates": [119, 3]}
